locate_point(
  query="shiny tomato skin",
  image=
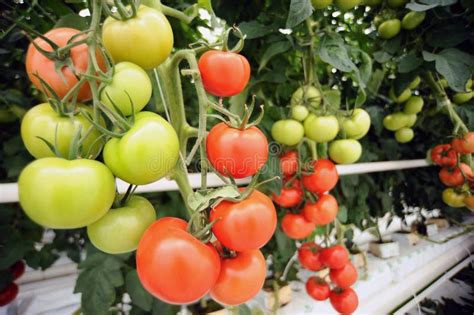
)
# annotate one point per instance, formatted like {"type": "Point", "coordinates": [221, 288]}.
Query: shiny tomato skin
{"type": "Point", "coordinates": [224, 73]}
{"type": "Point", "coordinates": [309, 256]}
{"type": "Point", "coordinates": [146, 39]}
{"type": "Point", "coordinates": [345, 301]}
{"type": "Point", "coordinates": [317, 288]}
{"type": "Point", "coordinates": [444, 155]}
{"type": "Point", "coordinates": [173, 265]}
{"type": "Point", "coordinates": [289, 196]}
{"type": "Point", "coordinates": [8, 294]}
{"type": "Point", "coordinates": [335, 257]}
{"type": "Point", "coordinates": [345, 276]}
{"type": "Point", "coordinates": [296, 227]}
{"type": "Point", "coordinates": [240, 279]}
{"type": "Point", "coordinates": [37, 63]}
{"type": "Point", "coordinates": [235, 152]}
{"type": "Point", "coordinates": [18, 269]}
{"type": "Point", "coordinates": [289, 163]}
{"type": "Point", "coordinates": [323, 211]}
{"type": "Point", "coordinates": [323, 178]}
{"type": "Point", "coordinates": [147, 152]}
{"type": "Point", "coordinates": [66, 194]}
{"type": "Point", "coordinates": [245, 225]}
{"type": "Point", "coordinates": [458, 145]}
{"type": "Point", "coordinates": [454, 177]}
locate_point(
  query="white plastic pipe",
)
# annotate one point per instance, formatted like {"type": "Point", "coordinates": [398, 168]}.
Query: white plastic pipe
{"type": "Point", "coordinates": [9, 192]}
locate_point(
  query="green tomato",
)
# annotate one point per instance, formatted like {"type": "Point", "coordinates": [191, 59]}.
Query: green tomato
{"type": "Point", "coordinates": [356, 126]}
{"type": "Point", "coordinates": [412, 20]}
{"type": "Point", "coordinates": [130, 85]}
{"type": "Point", "coordinates": [345, 5]}
{"type": "Point", "coordinates": [404, 135]}
{"type": "Point", "coordinates": [443, 83]}
{"type": "Point", "coordinates": [321, 128]}
{"type": "Point", "coordinates": [299, 112]}
{"type": "Point", "coordinates": [453, 199]}
{"type": "Point", "coordinates": [389, 29]}
{"type": "Point", "coordinates": [411, 120]}
{"type": "Point", "coordinates": [469, 85]}
{"type": "Point", "coordinates": [414, 84]}
{"type": "Point", "coordinates": [395, 121]}
{"type": "Point", "coordinates": [287, 132]}
{"type": "Point", "coordinates": [345, 151]}
{"type": "Point", "coordinates": [306, 95]}
{"type": "Point", "coordinates": [146, 153]}
{"type": "Point", "coordinates": [396, 3]}
{"type": "Point", "coordinates": [402, 98]}
{"type": "Point", "coordinates": [462, 97]}
{"type": "Point", "coordinates": [120, 230]}
{"type": "Point", "coordinates": [42, 121]}
{"type": "Point", "coordinates": [63, 194]}
{"type": "Point", "coordinates": [414, 105]}
{"type": "Point", "coordinates": [321, 4]}
{"type": "Point", "coordinates": [146, 39]}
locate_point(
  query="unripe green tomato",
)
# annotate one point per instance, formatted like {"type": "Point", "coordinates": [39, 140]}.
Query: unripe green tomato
{"type": "Point", "coordinates": [396, 3]}
{"type": "Point", "coordinates": [395, 121]}
{"type": "Point", "coordinates": [404, 135]}
{"type": "Point", "coordinates": [411, 120]}
{"type": "Point", "coordinates": [321, 4]}
{"type": "Point", "coordinates": [462, 97]}
{"type": "Point", "coordinates": [412, 20]}
{"type": "Point", "coordinates": [389, 28]}
{"type": "Point", "coordinates": [299, 112]}
{"type": "Point", "coordinates": [288, 132]}
{"type": "Point", "coordinates": [453, 199]}
{"type": "Point", "coordinates": [345, 5]}
{"type": "Point", "coordinates": [321, 128]}
{"type": "Point", "coordinates": [356, 126]}
{"type": "Point", "coordinates": [130, 85]}
{"type": "Point", "coordinates": [443, 83]}
{"type": "Point", "coordinates": [414, 84]}
{"type": "Point", "coordinates": [120, 230]}
{"type": "Point", "coordinates": [402, 98]}
{"type": "Point", "coordinates": [378, 19]}
{"type": "Point", "coordinates": [345, 151]}
{"type": "Point", "coordinates": [469, 85]}
{"type": "Point", "coordinates": [306, 95]}
{"type": "Point", "coordinates": [414, 105]}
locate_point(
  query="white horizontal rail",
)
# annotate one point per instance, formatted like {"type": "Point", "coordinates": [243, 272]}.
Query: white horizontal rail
{"type": "Point", "coordinates": [9, 192]}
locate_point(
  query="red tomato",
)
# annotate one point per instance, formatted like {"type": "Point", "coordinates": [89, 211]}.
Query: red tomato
{"type": "Point", "coordinates": [309, 256]}
{"type": "Point", "coordinates": [289, 163]}
{"type": "Point", "coordinates": [8, 294]}
{"type": "Point", "coordinates": [18, 269]}
{"type": "Point", "coordinates": [323, 211]}
{"type": "Point", "coordinates": [454, 177]}
{"type": "Point", "coordinates": [444, 155]}
{"type": "Point", "coordinates": [335, 257]}
{"type": "Point", "coordinates": [323, 178]}
{"type": "Point", "coordinates": [37, 63]}
{"type": "Point", "coordinates": [458, 146]}
{"type": "Point", "coordinates": [344, 277]}
{"type": "Point", "coordinates": [240, 279]}
{"type": "Point", "coordinates": [290, 196]}
{"type": "Point", "coordinates": [224, 73]}
{"type": "Point", "coordinates": [345, 301]}
{"type": "Point", "coordinates": [317, 288]}
{"type": "Point", "coordinates": [468, 142]}
{"type": "Point", "coordinates": [240, 153]}
{"type": "Point", "coordinates": [173, 265]}
{"type": "Point", "coordinates": [296, 227]}
{"type": "Point", "coordinates": [245, 225]}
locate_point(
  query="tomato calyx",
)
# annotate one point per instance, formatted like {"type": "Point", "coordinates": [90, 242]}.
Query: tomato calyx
{"type": "Point", "coordinates": [237, 122]}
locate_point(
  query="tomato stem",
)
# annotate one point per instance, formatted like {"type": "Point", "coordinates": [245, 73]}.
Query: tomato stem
{"type": "Point", "coordinates": [183, 17]}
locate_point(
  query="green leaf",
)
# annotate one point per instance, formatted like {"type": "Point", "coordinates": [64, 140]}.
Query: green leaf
{"type": "Point", "coordinates": [447, 35]}
{"type": "Point", "coordinates": [425, 5]}
{"type": "Point", "coordinates": [408, 63]}
{"type": "Point", "coordinates": [254, 29]}
{"type": "Point", "coordinates": [202, 199]}
{"type": "Point", "coordinates": [454, 65]}
{"type": "Point", "coordinates": [375, 81]}
{"type": "Point", "coordinates": [273, 50]}
{"type": "Point", "coordinates": [334, 51]}
{"type": "Point", "coordinates": [73, 20]}
{"type": "Point", "coordinates": [138, 294]}
{"type": "Point", "coordinates": [299, 11]}
{"type": "Point", "coordinates": [382, 56]}
{"type": "Point", "coordinates": [342, 214]}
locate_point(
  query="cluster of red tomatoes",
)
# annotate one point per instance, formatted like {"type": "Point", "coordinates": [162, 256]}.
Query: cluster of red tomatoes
{"type": "Point", "coordinates": [320, 207]}
{"type": "Point", "coordinates": [10, 291]}
{"type": "Point", "coordinates": [342, 275]}
{"type": "Point", "coordinates": [458, 176]}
